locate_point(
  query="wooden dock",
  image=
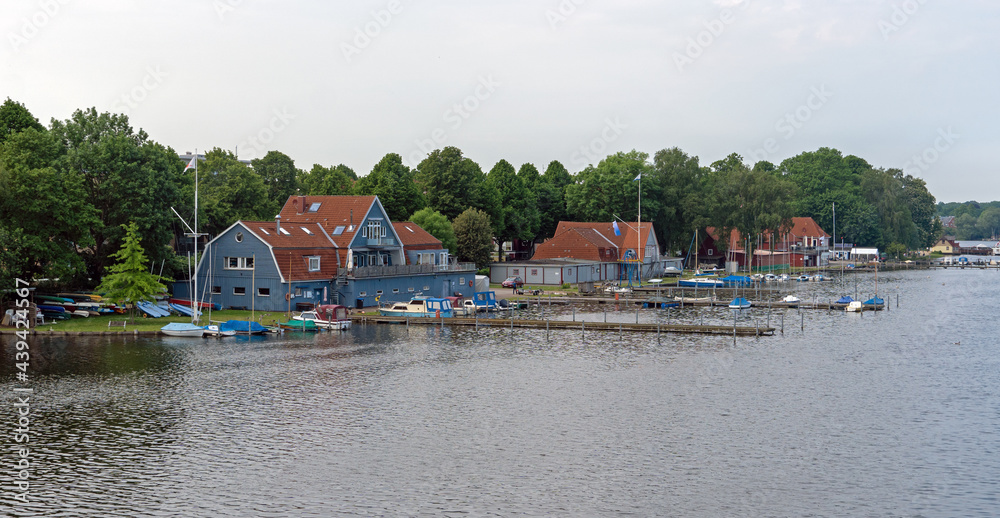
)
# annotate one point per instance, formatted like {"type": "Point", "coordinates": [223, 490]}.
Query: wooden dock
{"type": "Point", "coordinates": [582, 326]}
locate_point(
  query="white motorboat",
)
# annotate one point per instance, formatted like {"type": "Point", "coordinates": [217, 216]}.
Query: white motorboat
{"type": "Point", "coordinates": [327, 316]}
{"type": "Point", "coordinates": [182, 329]}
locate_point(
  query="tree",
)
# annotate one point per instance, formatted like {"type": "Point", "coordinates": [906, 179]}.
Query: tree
{"type": "Point", "coordinates": [988, 223]}
{"type": "Point", "coordinates": [229, 191]}
{"type": "Point", "coordinates": [681, 190]}
{"type": "Point", "coordinates": [14, 118]}
{"type": "Point", "coordinates": [280, 177]}
{"type": "Point", "coordinates": [751, 202]}
{"type": "Point", "coordinates": [438, 226]}
{"type": "Point", "coordinates": [608, 190]}
{"type": "Point", "coordinates": [472, 236]}
{"type": "Point", "coordinates": [392, 182]}
{"type": "Point", "coordinates": [44, 209]}
{"type": "Point", "coordinates": [450, 182]}
{"type": "Point", "coordinates": [129, 281]}
{"type": "Point", "coordinates": [518, 209]}
{"type": "Point", "coordinates": [127, 177]}
{"type": "Point", "coordinates": [328, 181]}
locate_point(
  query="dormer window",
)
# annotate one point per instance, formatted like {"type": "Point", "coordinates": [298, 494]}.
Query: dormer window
{"type": "Point", "coordinates": [314, 263]}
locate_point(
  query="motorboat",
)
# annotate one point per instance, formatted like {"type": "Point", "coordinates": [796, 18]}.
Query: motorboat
{"type": "Point", "coordinates": [299, 325]}
{"type": "Point", "coordinates": [701, 282]}
{"type": "Point", "coordinates": [803, 278]}
{"type": "Point", "coordinates": [419, 307]}
{"type": "Point", "coordinates": [243, 327]}
{"type": "Point", "coordinates": [214, 330]}
{"type": "Point", "coordinates": [182, 329]}
{"type": "Point", "coordinates": [854, 306]}
{"type": "Point", "coordinates": [770, 277]}
{"type": "Point", "coordinates": [327, 316]}
{"type": "Point", "coordinates": [739, 303]}
{"type": "Point", "coordinates": [791, 300]}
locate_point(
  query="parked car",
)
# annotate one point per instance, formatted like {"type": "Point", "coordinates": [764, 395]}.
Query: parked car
{"type": "Point", "coordinates": [512, 282]}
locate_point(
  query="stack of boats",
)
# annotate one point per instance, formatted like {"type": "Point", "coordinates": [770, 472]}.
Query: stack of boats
{"type": "Point", "coordinates": [64, 306]}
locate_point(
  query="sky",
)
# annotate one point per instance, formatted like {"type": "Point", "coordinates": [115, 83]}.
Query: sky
{"type": "Point", "coordinates": [908, 84]}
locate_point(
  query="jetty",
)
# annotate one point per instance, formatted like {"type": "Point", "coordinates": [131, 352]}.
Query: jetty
{"type": "Point", "coordinates": [567, 324]}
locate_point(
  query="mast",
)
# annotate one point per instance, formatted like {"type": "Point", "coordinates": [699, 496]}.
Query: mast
{"type": "Point", "coordinates": [194, 288]}
{"type": "Point", "coordinates": [638, 232]}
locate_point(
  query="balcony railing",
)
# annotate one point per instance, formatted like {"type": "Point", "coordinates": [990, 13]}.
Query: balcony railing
{"type": "Point", "coordinates": [368, 272]}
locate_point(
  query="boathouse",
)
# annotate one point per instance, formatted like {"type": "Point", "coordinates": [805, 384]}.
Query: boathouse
{"type": "Point", "coordinates": [323, 249]}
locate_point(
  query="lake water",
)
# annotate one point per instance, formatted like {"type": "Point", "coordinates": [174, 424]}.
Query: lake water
{"type": "Point", "coordinates": [895, 413]}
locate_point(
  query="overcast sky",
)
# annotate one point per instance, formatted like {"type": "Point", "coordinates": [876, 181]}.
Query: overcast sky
{"type": "Point", "coordinates": [910, 84]}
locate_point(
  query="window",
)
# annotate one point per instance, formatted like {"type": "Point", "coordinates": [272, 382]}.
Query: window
{"type": "Point", "coordinates": [373, 230]}
{"type": "Point", "coordinates": [306, 230]}
{"type": "Point", "coordinates": [426, 288]}
{"type": "Point", "coordinates": [395, 290]}
{"type": "Point", "coordinates": [315, 207]}
{"type": "Point", "coordinates": [379, 293]}
{"type": "Point", "coordinates": [314, 263]}
{"type": "Point", "coordinates": [515, 271]}
{"type": "Point", "coordinates": [239, 290]}
{"type": "Point", "coordinates": [264, 230]}
{"type": "Point", "coordinates": [285, 231]}
{"type": "Point", "coordinates": [461, 281]}
{"type": "Point", "coordinates": [239, 237]}
{"type": "Point", "coordinates": [298, 292]}
{"type": "Point", "coordinates": [216, 290]}
{"type": "Point", "coordinates": [363, 294]}
{"type": "Point", "coordinates": [238, 263]}
{"type": "Point", "coordinates": [425, 258]}
{"type": "Point", "coordinates": [263, 292]}
{"type": "Point", "coordinates": [410, 289]}
{"type": "Point", "coordinates": [710, 251]}
{"type": "Point", "coordinates": [339, 230]}
{"type": "Point", "coordinates": [534, 271]}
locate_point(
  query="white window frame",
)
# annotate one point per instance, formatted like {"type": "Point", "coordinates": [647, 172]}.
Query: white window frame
{"type": "Point", "coordinates": [263, 292]}
{"type": "Point", "coordinates": [236, 293]}
{"type": "Point", "coordinates": [242, 263]}
{"type": "Point", "coordinates": [316, 267]}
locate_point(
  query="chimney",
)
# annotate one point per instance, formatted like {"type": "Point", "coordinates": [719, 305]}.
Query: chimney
{"type": "Point", "coordinates": [277, 224]}
{"type": "Point", "coordinates": [302, 204]}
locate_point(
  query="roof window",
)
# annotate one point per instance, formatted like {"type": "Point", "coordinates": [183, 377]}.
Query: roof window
{"type": "Point", "coordinates": [315, 206]}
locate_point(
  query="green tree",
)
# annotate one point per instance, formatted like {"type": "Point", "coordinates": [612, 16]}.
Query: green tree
{"type": "Point", "coordinates": [883, 190]}
{"type": "Point", "coordinates": [229, 191]}
{"type": "Point", "coordinates": [750, 201]}
{"type": "Point", "coordinates": [328, 181]}
{"type": "Point", "coordinates": [128, 178]}
{"type": "Point", "coordinates": [450, 182]}
{"type": "Point", "coordinates": [280, 177]}
{"type": "Point", "coordinates": [128, 280]}
{"type": "Point", "coordinates": [896, 250]}
{"type": "Point", "coordinates": [392, 181]}
{"type": "Point", "coordinates": [518, 207]}
{"type": "Point", "coordinates": [473, 232]}
{"type": "Point", "coordinates": [44, 209]}
{"type": "Point", "coordinates": [965, 227]}
{"type": "Point", "coordinates": [610, 189]}
{"type": "Point", "coordinates": [438, 226]}
{"type": "Point", "coordinates": [681, 189]}
{"type": "Point", "coordinates": [14, 118]}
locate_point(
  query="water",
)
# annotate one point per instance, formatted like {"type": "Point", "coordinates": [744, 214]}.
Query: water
{"type": "Point", "coordinates": [893, 413]}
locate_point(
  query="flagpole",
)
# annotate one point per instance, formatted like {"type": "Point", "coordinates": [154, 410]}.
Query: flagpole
{"type": "Point", "coordinates": [638, 240]}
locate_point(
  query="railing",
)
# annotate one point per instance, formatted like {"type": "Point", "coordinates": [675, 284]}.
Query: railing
{"type": "Point", "coordinates": [368, 272]}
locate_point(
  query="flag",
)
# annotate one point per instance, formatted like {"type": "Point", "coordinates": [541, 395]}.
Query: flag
{"type": "Point", "coordinates": [192, 164]}
{"type": "Point", "coordinates": [637, 177]}
{"type": "Point", "coordinates": [618, 231]}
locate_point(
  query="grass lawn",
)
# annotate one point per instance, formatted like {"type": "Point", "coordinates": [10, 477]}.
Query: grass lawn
{"type": "Point", "coordinates": [100, 323]}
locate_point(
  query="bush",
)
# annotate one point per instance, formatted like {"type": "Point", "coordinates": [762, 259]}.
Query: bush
{"type": "Point", "coordinates": [484, 271]}
{"type": "Point", "coordinates": [566, 286]}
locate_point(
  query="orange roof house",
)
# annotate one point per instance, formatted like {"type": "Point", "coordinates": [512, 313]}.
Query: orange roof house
{"type": "Point", "coordinates": [597, 241]}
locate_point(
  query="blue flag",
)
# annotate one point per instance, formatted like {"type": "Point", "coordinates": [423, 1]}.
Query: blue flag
{"type": "Point", "coordinates": [618, 231]}
{"type": "Point", "coordinates": [637, 177]}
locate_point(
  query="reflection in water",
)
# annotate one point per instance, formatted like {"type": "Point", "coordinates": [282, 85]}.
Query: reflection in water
{"type": "Point", "coordinates": [878, 414]}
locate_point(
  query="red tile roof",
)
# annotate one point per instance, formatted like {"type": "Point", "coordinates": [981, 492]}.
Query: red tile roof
{"type": "Point", "coordinates": [293, 246]}
{"type": "Point", "coordinates": [330, 211]}
{"type": "Point", "coordinates": [625, 241]}
{"type": "Point", "coordinates": [801, 227]}
{"type": "Point", "coordinates": [578, 243]}
{"type": "Point", "coordinates": [413, 237]}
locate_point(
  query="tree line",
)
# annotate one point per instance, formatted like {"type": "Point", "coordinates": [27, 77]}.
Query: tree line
{"type": "Point", "coordinates": [69, 191]}
{"type": "Point", "coordinates": [973, 220]}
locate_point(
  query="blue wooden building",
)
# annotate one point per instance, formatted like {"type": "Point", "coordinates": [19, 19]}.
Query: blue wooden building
{"type": "Point", "coordinates": [324, 249]}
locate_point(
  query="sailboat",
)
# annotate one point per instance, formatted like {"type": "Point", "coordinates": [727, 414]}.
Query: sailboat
{"type": "Point", "coordinates": [179, 328]}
